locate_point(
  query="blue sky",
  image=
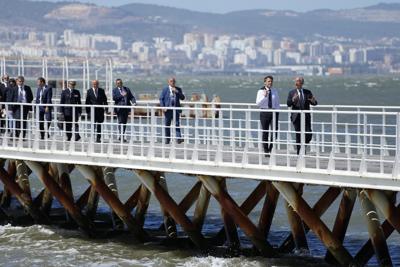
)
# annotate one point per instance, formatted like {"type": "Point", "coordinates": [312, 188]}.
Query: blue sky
{"type": "Point", "coordinates": [222, 6]}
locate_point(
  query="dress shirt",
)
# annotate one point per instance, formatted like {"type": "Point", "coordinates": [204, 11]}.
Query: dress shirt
{"type": "Point", "coordinates": [262, 100]}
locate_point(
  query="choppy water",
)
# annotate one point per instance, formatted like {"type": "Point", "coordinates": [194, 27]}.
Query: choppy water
{"type": "Point", "coordinates": [53, 246]}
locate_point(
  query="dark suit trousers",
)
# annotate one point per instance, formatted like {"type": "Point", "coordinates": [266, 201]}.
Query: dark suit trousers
{"type": "Point", "coordinates": [297, 127]}
{"type": "Point", "coordinates": [20, 124]}
{"type": "Point", "coordinates": [266, 119]}
{"type": "Point", "coordinates": [168, 120]}
{"type": "Point", "coordinates": [44, 118]}
{"type": "Point", "coordinates": [68, 126]}
{"type": "Point", "coordinates": [98, 120]}
{"type": "Point", "coordinates": [122, 115]}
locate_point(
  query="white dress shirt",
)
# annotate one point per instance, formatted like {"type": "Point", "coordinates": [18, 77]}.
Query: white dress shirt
{"type": "Point", "coordinates": [262, 100]}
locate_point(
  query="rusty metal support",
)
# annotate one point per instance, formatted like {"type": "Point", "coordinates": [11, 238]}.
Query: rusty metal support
{"type": "Point", "coordinates": [375, 230]}
{"type": "Point", "coordinates": [169, 204]}
{"type": "Point", "coordinates": [64, 179]}
{"type": "Point", "coordinates": [142, 205]}
{"type": "Point", "coordinates": [367, 251]}
{"type": "Point", "coordinates": [229, 225]}
{"type": "Point", "coordinates": [112, 200]}
{"type": "Point", "coordinates": [62, 196]}
{"type": "Point", "coordinates": [314, 222]}
{"type": "Point", "coordinates": [108, 174]}
{"type": "Point", "coordinates": [268, 210]}
{"type": "Point", "coordinates": [22, 197]}
{"type": "Point", "coordinates": [188, 201]}
{"type": "Point", "coordinates": [83, 199]}
{"type": "Point", "coordinates": [47, 198]}
{"type": "Point", "coordinates": [12, 172]}
{"type": "Point", "coordinates": [169, 223]}
{"type": "Point", "coordinates": [386, 206]}
{"type": "Point", "coordinates": [296, 224]}
{"type": "Point", "coordinates": [319, 209]}
{"type": "Point", "coordinates": [240, 218]}
{"type": "Point", "coordinates": [247, 206]}
{"type": "Point", "coordinates": [22, 177]}
{"type": "Point", "coordinates": [92, 203]}
{"type": "Point", "coordinates": [201, 207]}
{"type": "Point", "coordinates": [342, 219]}
{"type": "Point", "coordinates": [132, 201]}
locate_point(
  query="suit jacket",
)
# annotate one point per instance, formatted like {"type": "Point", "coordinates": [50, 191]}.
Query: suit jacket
{"type": "Point", "coordinates": [12, 95]}
{"type": "Point", "coordinates": [120, 100]}
{"type": "Point", "coordinates": [296, 105]}
{"type": "Point", "coordinates": [2, 94]}
{"type": "Point", "coordinates": [165, 97]}
{"type": "Point", "coordinates": [100, 99]}
{"type": "Point", "coordinates": [47, 95]}
{"type": "Point", "coordinates": [71, 98]}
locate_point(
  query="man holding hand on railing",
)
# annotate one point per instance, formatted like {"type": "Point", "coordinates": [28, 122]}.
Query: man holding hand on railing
{"type": "Point", "coordinates": [268, 100]}
{"type": "Point", "coordinates": [171, 97]}
{"type": "Point", "coordinates": [301, 99]}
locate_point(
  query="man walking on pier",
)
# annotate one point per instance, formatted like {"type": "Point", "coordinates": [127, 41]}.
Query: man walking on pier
{"type": "Point", "coordinates": [71, 96]}
{"type": "Point", "coordinates": [96, 96]}
{"type": "Point", "coordinates": [268, 100]}
{"type": "Point", "coordinates": [23, 95]}
{"type": "Point", "coordinates": [171, 97]}
{"type": "Point", "coordinates": [123, 96]}
{"type": "Point", "coordinates": [3, 87]}
{"type": "Point", "coordinates": [44, 95]}
{"type": "Point", "coordinates": [301, 99]}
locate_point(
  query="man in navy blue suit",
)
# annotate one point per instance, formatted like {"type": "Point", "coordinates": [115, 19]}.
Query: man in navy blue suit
{"type": "Point", "coordinates": [43, 96]}
{"type": "Point", "coordinates": [22, 94]}
{"type": "Point", "coordinates": [122, 96]}
{"type": "Point", "coordinates": [171, 97]}
{"type": "Point", "coordinates": [301, 99]}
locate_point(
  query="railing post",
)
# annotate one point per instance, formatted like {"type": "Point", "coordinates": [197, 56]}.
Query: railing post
{"type": "Point", "coordinates": [150, 154]}
{"type": "Point", "coordinates": [300, 159]}
{"type": "Point", "coordinates": [396, 167]}
{"type": "Point", "coordinates": [195, 155]}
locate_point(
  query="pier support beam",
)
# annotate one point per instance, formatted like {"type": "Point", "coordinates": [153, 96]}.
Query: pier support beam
{"type": "Point", "coordinates": [22, 177]}
{"type": "Point", "coordinates": [132, 201]}
{"type": "Point", "coordinates": [109, 178]}
{"type": "Point", "coordinates": [142, 205]}
{"type": "Point", "coordinates": [22, 197]}
{"type": "Point", "coordinates": [229, 225]}
{"type": "Point", "coordinates": [201, 208]}
{"type": "Point", "coordinates": [268, 210]}
{"type": "Point", "coordinates": [296, 224]}
{"type": "Point", "coordinates": [169, 204]}
{"type": "Point", "coordinates": [343, 218]}
{"type": "Point", "coordinates": [319, 209]}
{"type": "Point", "coordinates": [112, 200]}
{"type": "Point", "coordinates": [247, 206]}
{"type": "Point", "coordinates": [314, 222]}
{"type": "Point", "coordinates": [375, 230]}
{"type": "Point", "coordinates": [46, 199]}
{"type": "Point", "coordinates": [238, 215]}
{"type": "Point", "coordinates": [62, 196]}
{"type": "Point", "coordinates": [12, 172]}
{"type": "Point", "coordinates": [169, 223]}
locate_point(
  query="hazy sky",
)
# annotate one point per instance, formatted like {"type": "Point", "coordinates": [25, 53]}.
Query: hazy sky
{"type": "Point", "coordinates": [222, 6]}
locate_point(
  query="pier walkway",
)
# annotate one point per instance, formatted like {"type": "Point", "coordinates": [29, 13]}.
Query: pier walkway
{"type": "Point", "coordinates": [355, 151]}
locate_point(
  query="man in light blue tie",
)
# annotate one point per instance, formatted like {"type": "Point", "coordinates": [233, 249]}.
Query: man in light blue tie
{"type": "Point", "coordinates": [171, 97]}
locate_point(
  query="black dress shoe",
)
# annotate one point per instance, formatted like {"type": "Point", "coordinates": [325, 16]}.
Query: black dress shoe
{"type": "Point", "coordinates": [179, 141]}
{"type": "Point", "coordinates": [77, 138]}
{"type": "Point", "coordinates": [98, 140]}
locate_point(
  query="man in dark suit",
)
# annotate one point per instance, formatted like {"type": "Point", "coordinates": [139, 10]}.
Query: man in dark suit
{"type": "Point", "coordinates": [301, 99]}
{"type": "Point", "coordinates": [21, 95]}
{"type": "Point", "coordinates": [122, 96]}
{"type": "Point", "coordinates": [96, 96]}
{"type": "Point", "coordinates": [171, 97]}
{"type": "Point", "coordinates": [43, 96]}
{"type": "Point", "coordinates": [3, 86]}
{"type": "Point", "coordinates": [8, 108]}
{"type": "Point", "coordinates": [71, 96]}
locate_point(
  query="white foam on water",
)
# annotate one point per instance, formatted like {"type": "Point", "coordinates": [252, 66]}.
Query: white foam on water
{"type": "Point", "coordinates": [222, 262]}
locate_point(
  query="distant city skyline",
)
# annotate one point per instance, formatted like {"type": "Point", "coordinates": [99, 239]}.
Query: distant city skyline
{"type": "Point", "coordinates": [223, 6]}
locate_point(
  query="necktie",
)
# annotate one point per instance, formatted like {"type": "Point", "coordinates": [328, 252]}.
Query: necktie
{"type": "Point", "coordinates": [20, 95]}
{"type": "Point", "coordinates": [95, 92]}
{"type": "Point", "coordinates": [301, 99]}
{"type": "Point", "coordinates": [269, 98]}
{"type": "Point", "coordinates": [40, 95]}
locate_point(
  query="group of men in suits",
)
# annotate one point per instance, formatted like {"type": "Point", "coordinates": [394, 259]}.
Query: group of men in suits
{"type": "Point", "coordinates": [298, 99]}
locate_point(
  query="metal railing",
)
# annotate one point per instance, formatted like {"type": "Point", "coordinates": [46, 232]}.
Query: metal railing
{"type": "Point", "coordinates": [360, 141]}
